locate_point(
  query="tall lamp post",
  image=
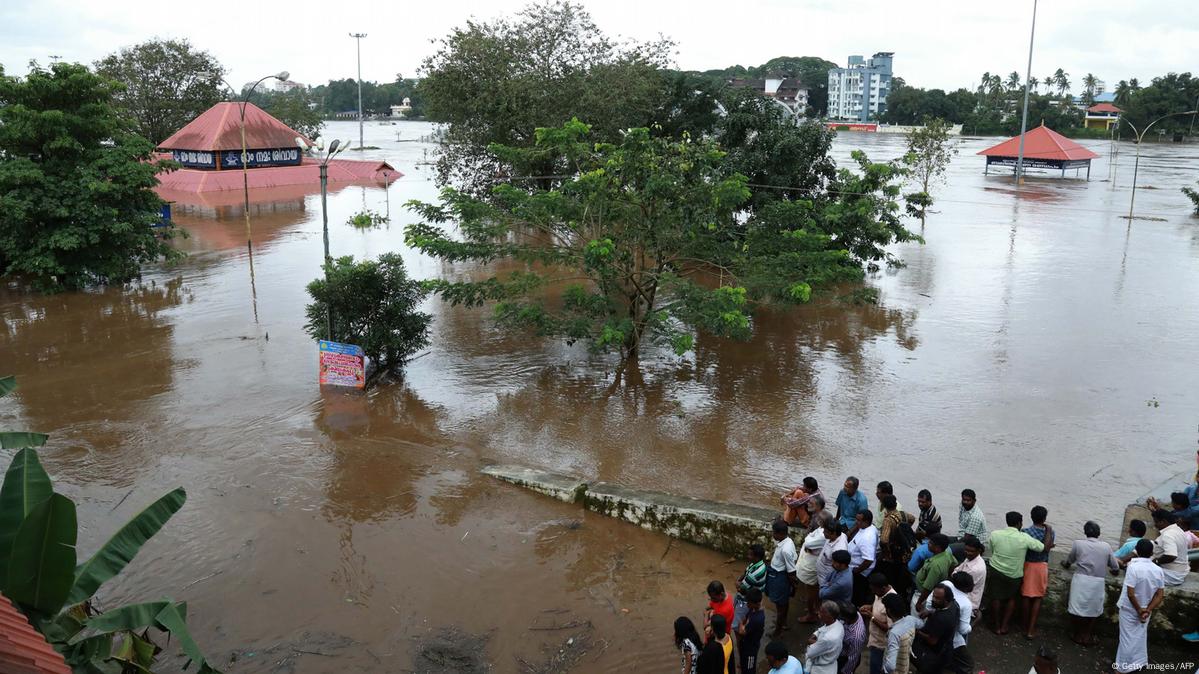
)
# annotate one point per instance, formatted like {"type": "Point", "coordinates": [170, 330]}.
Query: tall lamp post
{"type": "Point", "coordinates": [358, 37]}
{"type": "Point", "coordinates": [1140, 134]}
{"type": "Point", "coordinates": [334, 148]}
{"type": "Point", "coordinates": [245, 181]}
{"type": "Point", "coordinates": [1027, 79]}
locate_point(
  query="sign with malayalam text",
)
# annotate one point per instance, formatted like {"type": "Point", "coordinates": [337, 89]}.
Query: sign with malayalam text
{"type": "Point", "coordinates": [342, 365]}
{"type": "Point", "coordinates": [194, 159]}
{"type": "Point", "coordinates": [288, 156]}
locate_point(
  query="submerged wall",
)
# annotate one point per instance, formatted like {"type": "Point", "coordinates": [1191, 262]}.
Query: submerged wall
{"type": "Point", "coordinates": [731, 528]}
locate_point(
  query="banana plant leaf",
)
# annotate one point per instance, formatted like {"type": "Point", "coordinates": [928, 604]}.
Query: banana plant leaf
{"type": "Point", "coordinates": [136, 653]}
{"type": "Point", "coordinates": [174, 620]}
{"type": "Point", "coordinates": [114, 555]}
{"type": "Point", "coordinates": [41, 568]}
{"type": "Point", "coordinates": [126, 618]}
{"type": "Point", "coordinates": [7, 384]}
{"type": "Point", "coordinates": [19, 439]}
{"type": "Point", "coordinates": [26, 484]}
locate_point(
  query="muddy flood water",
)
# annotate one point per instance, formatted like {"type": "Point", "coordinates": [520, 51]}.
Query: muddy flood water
{"type": "Point", "coordinates": [1037, 348]}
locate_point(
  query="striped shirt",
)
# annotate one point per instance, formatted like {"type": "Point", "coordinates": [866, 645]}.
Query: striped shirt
{"type": "Point", "coordinates": [755, 576]}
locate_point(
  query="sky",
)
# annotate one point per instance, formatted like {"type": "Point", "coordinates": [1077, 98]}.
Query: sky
{"type": "Point", "coordinates": [937, 43]}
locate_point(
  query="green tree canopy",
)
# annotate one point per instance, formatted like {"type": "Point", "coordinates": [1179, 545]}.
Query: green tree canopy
{"type": "Point", "coordinates": [1171, 93]}
{"type": "Point", "coordinates": [294, 108]}
{"type": "Point", "coordinates": [166, 84]}
{"type": "Point", "coordinates": [497, 81]}
{"type": "Point", "coordinates": [76, 200]}
{"type": "Point", "coordinates": [649, 238]}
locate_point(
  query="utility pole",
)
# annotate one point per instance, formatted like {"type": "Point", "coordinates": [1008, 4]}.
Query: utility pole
{"type": "Point", "coordinates": [358, 37]}
{"type": "Point", "coordinates": [1027, 78]}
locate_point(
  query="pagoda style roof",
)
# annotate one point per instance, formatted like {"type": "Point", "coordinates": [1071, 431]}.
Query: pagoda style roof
{"type": "Point", "coordinates": [219, 128]}
{"type": "Point", "coordinates": [1103, 107]}
{"type": "Point", "coordinates": [1041, 143]}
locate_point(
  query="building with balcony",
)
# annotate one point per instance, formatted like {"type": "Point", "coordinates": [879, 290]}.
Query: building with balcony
{"type": "Point", "coordinates": [783, 88]}
{"type": "Point", "coordinates": [859, 91]}
{"type": "Point", "coordinates": [1102, 116]}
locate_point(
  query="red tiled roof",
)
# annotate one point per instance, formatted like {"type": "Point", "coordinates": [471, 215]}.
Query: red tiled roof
{"type": "Point", "coordinates": [22, 649]}
{"type": "Point", "coordinates": [1103, 107]}
{"type": "Point", "coordinates": [219, 128]}
{"type": "Point", "coordinates": [307, 173]}
{"type": "Point", "coordinates": [1041, 143]}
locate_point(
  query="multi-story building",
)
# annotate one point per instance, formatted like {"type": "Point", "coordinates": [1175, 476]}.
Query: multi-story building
{"type": "Point", "coordinates": [859, 91]}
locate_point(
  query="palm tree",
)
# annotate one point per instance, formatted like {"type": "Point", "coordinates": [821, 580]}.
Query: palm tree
{"type": "Point", "coordinates": [984, 83]}
{"type": "Point", "coordinates": [1061, 79]}
{"type": "Point", "coordinates": [1034, 84]}
{"type": "Point", "coordinates": [1089, 84]}
{"type": "Point", "coordinates": [1013, 81]}
{"type": "Point", "coordinates": [1123, 91]}
{"type": "Point", "coordinates": [1134, 85]}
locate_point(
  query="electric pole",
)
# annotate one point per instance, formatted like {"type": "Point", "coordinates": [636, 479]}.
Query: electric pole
{"type": "Point", "coordinates": [358, 37]}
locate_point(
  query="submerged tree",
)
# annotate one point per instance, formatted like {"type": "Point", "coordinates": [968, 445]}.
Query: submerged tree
{"type": "Point", "coordinates": [930, 150]}
{"type": "Point", "coordinates": [1193, 195]}
{"type": "Point", "coordinates": [650, 239]}
{"type": "Point", "coordinates": [76, 201]}
{"type": "Point", "coordinates": [372, 304]}
{"type": "Point", "coordinates": [165, 84]}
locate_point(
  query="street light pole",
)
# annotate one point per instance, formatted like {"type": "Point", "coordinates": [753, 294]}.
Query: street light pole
{"type": "Point", "coordinates": [1137, 164]}
{"type": "Point", "coordinates": [334, 148]}
{"type": "Point", "coordinates": [358, 37]}
{"type": "Point", "coordinates": [1027, 79]}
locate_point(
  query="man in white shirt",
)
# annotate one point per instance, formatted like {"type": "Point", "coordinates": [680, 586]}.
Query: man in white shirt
{"type": "Point", "coordinates": [1173, 547]}
{"type": "Point", "coordinates": [834, 540]}
{"type": "Point", "coordinates": [825, 645]}
{"type": "Point", "coordinates": [1144, 585]}
{"type": "Point", "coordinates": [780, 575]}
{"type": "Point", "coordinates": [976, 566]}
{"type": "Point", "coordinates": [863, 551]}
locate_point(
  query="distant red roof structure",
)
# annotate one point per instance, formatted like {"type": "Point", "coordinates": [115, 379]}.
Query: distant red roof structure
{"type": "Point", "coordinates": [219, 128]}
{"type": "Point", "coordinates": [1104, 107]}
{"type": "Point", "coordinates": [1043, 148]}
{"type": "Point", "coordinates": [22, 649]}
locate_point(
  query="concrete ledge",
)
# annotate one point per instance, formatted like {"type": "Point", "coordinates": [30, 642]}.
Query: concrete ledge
{"type": "Point", "coordinates": [726, 527]}
{"type": "Point", "coordinates": [555, 485]}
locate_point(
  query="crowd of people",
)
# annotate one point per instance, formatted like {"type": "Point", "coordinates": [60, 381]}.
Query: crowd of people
{"type": "Point", "coordinates": [892, 588]}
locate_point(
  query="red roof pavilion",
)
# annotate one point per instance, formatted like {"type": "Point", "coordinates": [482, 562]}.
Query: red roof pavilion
{"type": "Point", "coordinates": [1104, 107]}
{"type": "Point", "coordinates": [1043, 148]}
{"type": "Point", "coordinates": [219, 128]}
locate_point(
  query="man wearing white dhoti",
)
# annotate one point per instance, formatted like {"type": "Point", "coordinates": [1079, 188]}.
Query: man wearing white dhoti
{"type": "Point", "coordinates": [1092, 557]}
{"type": "Point", "coordinates": [1143, 589]}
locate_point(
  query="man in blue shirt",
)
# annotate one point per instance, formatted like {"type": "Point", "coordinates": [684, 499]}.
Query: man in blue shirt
{"type": "Point", "coordinates": [850, 502]}
{"type": "Point", "coordinates": [839, 587]}
{"type": "Point", "coordinates": [781, 661]}
{"type": "Point", "coordinates": [922, 552]}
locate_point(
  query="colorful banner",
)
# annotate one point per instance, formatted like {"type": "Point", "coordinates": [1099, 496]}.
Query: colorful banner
{"type": "Point", "coordinates": [342, 365]}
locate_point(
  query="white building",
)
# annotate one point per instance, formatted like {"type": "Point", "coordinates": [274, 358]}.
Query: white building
{"type": "Point", "coordinates": [859, 91]}
{"type": "Point", "coordinates": [787, 90]}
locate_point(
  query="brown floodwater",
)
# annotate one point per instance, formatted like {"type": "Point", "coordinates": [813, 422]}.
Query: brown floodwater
{"type": "Point", "coordinates": [1037, 348]}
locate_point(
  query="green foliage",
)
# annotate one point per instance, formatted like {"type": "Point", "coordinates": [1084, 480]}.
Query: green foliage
{"type": "Point", "coordinates": [1172, 93]}
{"type": "Point", "coordinates": [76, 204]}
{"type": "Point", "coordinates": [294, 108]}
{"type": "Point", "coordinates": [930, 150]}
{"type": "Point", "coordinates": [342, 96]}
{"type": "Point", "coordinates": [367, 219]}
{"type": "Point", "coordinates": [812, 71]}
{"type": "Point", "coordinates": [164, 85]}
{"type": "Point", "coordinates": [38, 530]}
{"type": "Point", "coordinates": [373, 305]}
{"type": "Point", "coordinates": [911, 106]}
{"type": "Point", "coordinates": [1193, 195]}
{"type": "Point", "coordinates": [653, 238]}
{"type": "Point", "coordinates": [497, 81]}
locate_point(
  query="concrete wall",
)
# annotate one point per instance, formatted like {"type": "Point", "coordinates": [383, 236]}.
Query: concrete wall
{"type": "Point", "coordinates": [731, 528]}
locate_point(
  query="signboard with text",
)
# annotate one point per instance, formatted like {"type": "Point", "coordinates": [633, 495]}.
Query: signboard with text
{"type": "Point", "coordinates": [342, 365]}
{"type": "Point", "coordinates": [288, 156]}
{"type": "Point", "coordinates": [195, 159]}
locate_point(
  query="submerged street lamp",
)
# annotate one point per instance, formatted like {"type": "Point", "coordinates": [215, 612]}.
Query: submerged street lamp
{"type": "Point", "coordinates": [334, 148]}
{"type": "Point", "coordinates": [1024, 118]}
{"type": "Point", "coordinates": [1137, 165]}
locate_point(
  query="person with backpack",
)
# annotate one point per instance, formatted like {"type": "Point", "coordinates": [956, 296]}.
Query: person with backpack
{"type": "Point", "coordinates": [895, 544]}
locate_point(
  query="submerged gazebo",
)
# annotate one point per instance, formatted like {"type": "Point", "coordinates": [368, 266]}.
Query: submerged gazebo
{"type": "Point", "coordinates": [1043, 148]}
{"type": "Point", "coordinates": [209, 149]}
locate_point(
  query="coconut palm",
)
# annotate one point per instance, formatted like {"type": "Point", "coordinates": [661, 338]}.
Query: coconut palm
{"type": "Point", "coordinates": [1034, 83]}
{"type": "Point", "coordinates": [1090, 84]}
{"type": "Point", "coordinates": [1062, 81]}
{"type": "Point", "coordinates": [1123, 91]}
{"type": "Point", "coordinates": [1013, 81]}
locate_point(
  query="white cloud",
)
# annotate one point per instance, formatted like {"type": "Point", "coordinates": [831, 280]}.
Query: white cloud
{"type": "Point", "coordinates": [937, 43]}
